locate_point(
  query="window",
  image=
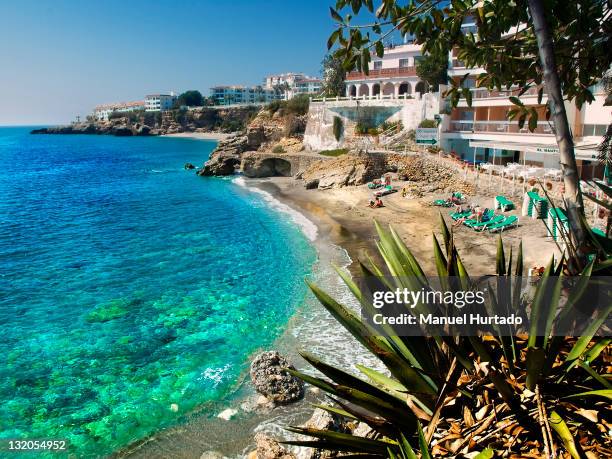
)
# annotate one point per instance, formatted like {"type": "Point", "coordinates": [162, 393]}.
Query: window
{"type": "Point", "coordinates": [377, 65]}
{"type": "Point", "coordinates": [403, 63]}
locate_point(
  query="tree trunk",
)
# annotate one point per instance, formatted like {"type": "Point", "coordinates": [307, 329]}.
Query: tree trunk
{"type": "Point", "coordinates": [562, 130]}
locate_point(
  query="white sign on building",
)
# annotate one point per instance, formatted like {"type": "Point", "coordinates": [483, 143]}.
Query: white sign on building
{"type": "Point", "coordinates": [427, 135]}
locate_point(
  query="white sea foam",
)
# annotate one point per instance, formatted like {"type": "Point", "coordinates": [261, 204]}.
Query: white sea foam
{"type": "Point", "coordinates": [309, 229]}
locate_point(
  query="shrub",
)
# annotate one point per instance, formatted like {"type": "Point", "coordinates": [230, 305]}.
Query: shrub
{"type": "Point", "coordinates": [278, 149]}
{"type": "Point", "coordinates": [298, 105]}
{"type": "Point", "coordinates": [398, 125]}
{"type": "Point", "coordinates": [428, 124]}
{"type": "Point", "coordinates": [439, 387]}
{"type": "Point", "coordinates": [275, 106]}
{"type": "Point", "coordinates": [338, 127]}
{"type": "Point", "coordinates": [336, 152]}
{"type": "Point", "coordinates": [412, 135]}
{"type": "Point", "coordinates": [361, 128]}
{"type": "Point", "coordinates": [373, 131]}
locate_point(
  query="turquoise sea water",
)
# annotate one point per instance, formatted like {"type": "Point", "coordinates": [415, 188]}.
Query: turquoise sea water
{"type": "Point", "coordinates": [128, 284]}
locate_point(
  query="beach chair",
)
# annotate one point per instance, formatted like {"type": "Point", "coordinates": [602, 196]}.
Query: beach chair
{"type": "Point", "coordinates": [458, 215]}
{"type": "Point", "coordinates": [482, 225]}
{"type": "Point", "coordinates": [598, 232]}
{"type": "Point", "coordinates": [509, 222]}
{"type": "Point", "coordinates": [472, 221]}
{"type": "Point", "coordinates": [501, 202]}
{"type": "Point", "coordinates": [441, 203]}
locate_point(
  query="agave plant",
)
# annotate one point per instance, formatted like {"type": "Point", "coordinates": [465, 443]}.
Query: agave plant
{"type": "Point", "coordinates": [524, 395]}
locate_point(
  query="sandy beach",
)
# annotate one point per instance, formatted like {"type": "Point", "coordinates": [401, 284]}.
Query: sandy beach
{"type": "Point", "coordinates": [343, 215]}
{"type": "Point", "coordinates": [200, 135]}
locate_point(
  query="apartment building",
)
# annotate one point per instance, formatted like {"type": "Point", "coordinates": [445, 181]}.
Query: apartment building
{"type": "Point", "coordinates": [306, 86]}
{"type": "Point", "coordinates": [102, 112]}
{"type": "Point", "coordinates": [483, 132]}
{"type": "Point", "coordinates": [159, 102]}
{"type": "Point", "coordinates": [394, 75]}
{"type": "Point", "coordinates": [293, 84]}
{"type": "Point", "coordinates": [230, 95]}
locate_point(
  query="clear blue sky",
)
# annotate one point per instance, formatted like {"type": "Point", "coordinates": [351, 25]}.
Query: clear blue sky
{"type": "Point", "coordinates": [60, 58]}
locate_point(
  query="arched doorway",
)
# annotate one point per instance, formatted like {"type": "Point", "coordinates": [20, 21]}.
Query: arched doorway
{"type": "Point", "coordinates": [352, 90]}
{"type": "Point", "coordinates": [388, 89]}
{"type": "Point", "coordinates": [421, 87]}
{"type": "Point", "coordinates": [364, 90]}
{"type": "Point", "coordinates": [404, 88]}
{"type": "Point", "coordinates": [375, 89]}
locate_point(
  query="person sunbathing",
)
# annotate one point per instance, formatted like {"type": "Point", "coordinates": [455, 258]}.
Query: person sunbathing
{"type": "Point", "coordinates": [460, 221]}
{"type": "Point", "coordinates": [376, 203]}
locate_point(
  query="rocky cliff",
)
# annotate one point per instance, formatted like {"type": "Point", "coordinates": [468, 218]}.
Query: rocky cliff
{"type": "Point", "coordinates": [200, 119]}
{"type": "Point", "coordinates": [270, 131]}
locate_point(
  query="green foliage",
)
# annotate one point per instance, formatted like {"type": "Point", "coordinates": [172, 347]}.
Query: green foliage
{"type": "Point", "coordinates": [297, 105]}
{"type": "Point", "coordinates": [192, 98]}
{"type": "Point", "coordinates": [428, 124]}
{"type": "Point", "coordinates": [524, 374]}
{"type": "Point", "coordinates": [433, 69]}
{"type": "Point", "coordinates": [338, 128]}
{"type": "Point", "coordinates": [335, 153]}
{"type": "Point", "coordinates": [363, 127]}
{"type": "Point", "coordinates": [278, 149]}
{"type": "Point", "coordinates": [334, 75]}
{"type": "Point", "coordinates": [275, 106]}
{"type": "Point", "coordinates": [397, 125]}
{"type": "Point", "coordinates": [180, 115]}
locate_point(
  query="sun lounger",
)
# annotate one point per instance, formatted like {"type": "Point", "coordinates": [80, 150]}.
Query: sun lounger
{"type": "Point", "coordinates": [501, 202]}
{"type": "Point", "coordinates": [492, 221]}
{"type": "Point", "coordinates": [472, 221]}
{"type": "Point", "coordinates": [509, 222]}
{"type": "Point", "coordinates": [458, 215]}
{"type": "Point", "coordinates": [442, 203]}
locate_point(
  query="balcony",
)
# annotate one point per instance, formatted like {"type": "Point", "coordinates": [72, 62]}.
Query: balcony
{"type": "Point", "coordinates": [497, 127]}
{"type": "Point", "coordinates": [483, 93]}
{"type": "Point", "coordinates": [383, 73]}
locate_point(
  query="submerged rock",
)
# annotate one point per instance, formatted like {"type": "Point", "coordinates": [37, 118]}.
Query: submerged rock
{"type": "Point", "coordinates": [189, 166]}
{"type": "Point", "coordinates": [271, 379]}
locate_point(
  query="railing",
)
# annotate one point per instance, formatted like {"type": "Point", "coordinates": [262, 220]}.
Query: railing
{"type": "Point", "coordinates": [483, 93]}
{"type": "Point", "coordinates": [382, 73]}
{"type": "Point", "coordinates": [374, 97]}
{"type": "Point", "coordinates": [499, 127]}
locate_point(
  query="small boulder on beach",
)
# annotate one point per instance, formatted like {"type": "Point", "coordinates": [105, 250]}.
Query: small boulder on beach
{"type": "Point", "coordinates": [271, 378]}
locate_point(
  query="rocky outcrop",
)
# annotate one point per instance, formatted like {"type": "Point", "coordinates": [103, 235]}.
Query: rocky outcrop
{"type": "Point", "coordinates": [268, 448]}
{"type": "Point", "coordinates": [118, 127]}
{"type": "Point", "coordinates": [429, 174]}
{"type": "Point", "coordinates": [226, 157]}
{"type": "Point", "coordinates": [271, 379]}
{"type": "Point", "coordinates": [344, 171]}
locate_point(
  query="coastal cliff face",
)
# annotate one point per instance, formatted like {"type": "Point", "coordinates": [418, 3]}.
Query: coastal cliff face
{"type": "Point", "coordinates": [200, 119]}
{"type": "Point", "coordinates": [268, 132]}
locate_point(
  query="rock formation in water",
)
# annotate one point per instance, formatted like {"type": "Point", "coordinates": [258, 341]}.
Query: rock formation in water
{"type": "Point", "coordinates": [270, 377]}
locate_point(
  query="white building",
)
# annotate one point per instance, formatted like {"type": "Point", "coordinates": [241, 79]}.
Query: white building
{"type": "Point", "coordinates": [391, 76]}
{"type": "Point", "coordinates": [306, 86]}
{"type": "Point", "coordinates": [102, 112]}
{"type": "Point", "coordinates": [294, 84]}
{"type": "Point", "coordinates": [159, 102]}
{"type": "Point", "coordinates": [483, 132]}
{"type": "Point", "coordinates": [240, 95]}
